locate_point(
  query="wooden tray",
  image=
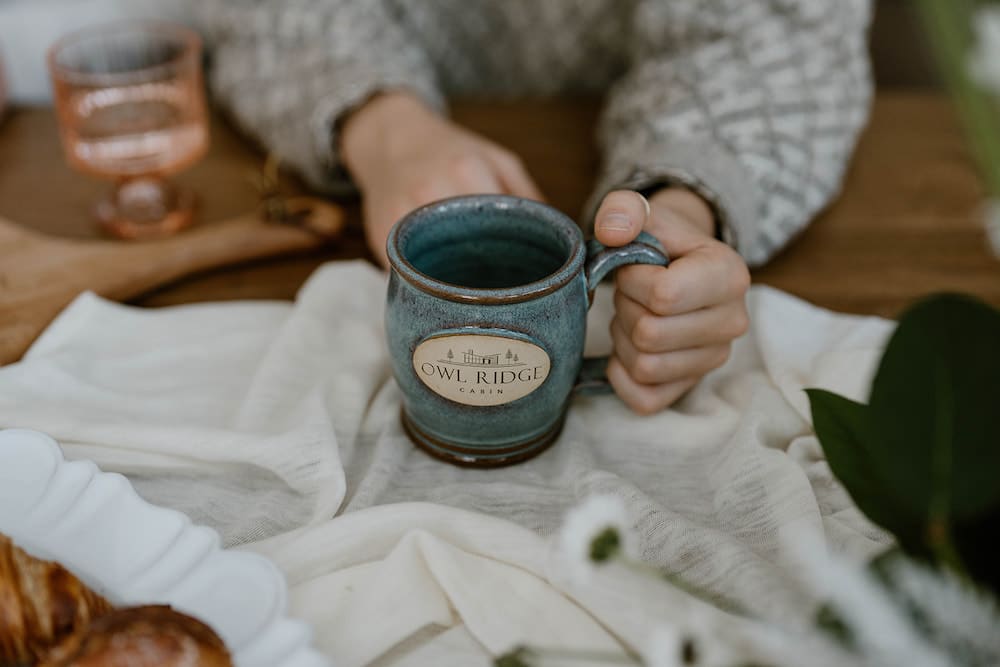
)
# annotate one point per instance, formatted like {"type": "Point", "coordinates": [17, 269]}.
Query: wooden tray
{"type": "Point", "coordinates": [40, 275]}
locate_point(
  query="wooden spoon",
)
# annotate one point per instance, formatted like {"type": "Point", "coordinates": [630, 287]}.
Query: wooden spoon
{"type": "Point", "coordinates": [40, 274]}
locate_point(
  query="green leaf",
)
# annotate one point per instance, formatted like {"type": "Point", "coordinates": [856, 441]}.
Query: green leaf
{"type": "Point", "coordinates": [976, 541]}
{"type": "Point", "coordinates": [935, 411]}
{"type": "Point", "coordinates": [923, 458]}
{"type": "Point", "coordinates": [843, 429]}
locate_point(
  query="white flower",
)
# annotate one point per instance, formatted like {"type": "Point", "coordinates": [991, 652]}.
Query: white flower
{"type": "Point", "coordinates": [991, 219]}
{"type": "Point", "coordinates": [599, 521]}
{"type": "Point", "coordinates": [881, 628]}
{"type": "Point", "coordinates": [956, 616]}
{"type": "Point", "coordinates": [984, 59]}
{"type": "Point", "coordinates": [698, 640]}
{"type": "Point", "coordinates": [663, 647]}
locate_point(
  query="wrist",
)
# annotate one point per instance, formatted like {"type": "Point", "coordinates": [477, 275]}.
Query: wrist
{"type": "Point", "coordinates": [374, 128]}
{"type": "Point", "coordinates": [689, 205]}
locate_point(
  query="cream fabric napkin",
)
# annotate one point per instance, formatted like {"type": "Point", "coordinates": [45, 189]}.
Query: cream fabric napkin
{"type": "Point", "coordinates": [277, 424]}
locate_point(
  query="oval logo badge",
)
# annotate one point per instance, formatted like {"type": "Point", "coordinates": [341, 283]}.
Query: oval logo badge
{"type": "Point", "coordinates": [479, 369]}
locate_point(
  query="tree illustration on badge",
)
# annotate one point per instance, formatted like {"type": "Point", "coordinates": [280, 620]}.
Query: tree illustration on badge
{"type": "Point", "coordinates": [451, 355]}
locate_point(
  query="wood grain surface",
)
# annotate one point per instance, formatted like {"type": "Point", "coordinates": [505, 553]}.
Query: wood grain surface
{"type": "Point", "coordinates": [40, 273]}
{"type": "Point", "coordinates": [907, 223]}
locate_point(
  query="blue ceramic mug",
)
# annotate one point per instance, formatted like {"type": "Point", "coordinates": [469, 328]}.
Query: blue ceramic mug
{"type": "Point", "coordinates": [485, 320]}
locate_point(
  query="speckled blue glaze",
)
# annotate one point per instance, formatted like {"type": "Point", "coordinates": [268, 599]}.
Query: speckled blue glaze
{"type": "Point", "coordinates": [498, 265]}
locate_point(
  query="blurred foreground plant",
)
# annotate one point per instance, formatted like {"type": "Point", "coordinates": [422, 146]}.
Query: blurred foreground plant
{"type": "Point", "coordinates": [921, 460]}
{"type": "Point", "coordinates": [965, 36]}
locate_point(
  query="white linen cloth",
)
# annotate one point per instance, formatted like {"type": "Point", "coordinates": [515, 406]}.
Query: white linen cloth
{"type": "Point", "coordinates": [266, 420]}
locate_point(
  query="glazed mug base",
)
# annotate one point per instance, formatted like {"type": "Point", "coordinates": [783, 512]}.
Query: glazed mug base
{"type": "Point", "coordinates": [481, 457]}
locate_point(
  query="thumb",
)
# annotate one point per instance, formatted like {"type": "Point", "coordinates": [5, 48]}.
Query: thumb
{"type": "Point", "coordinates": [621, 217]}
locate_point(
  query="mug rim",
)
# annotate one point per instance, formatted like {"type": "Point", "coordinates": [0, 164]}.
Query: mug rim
{"type": "Point", "coordinates": [492, 295]}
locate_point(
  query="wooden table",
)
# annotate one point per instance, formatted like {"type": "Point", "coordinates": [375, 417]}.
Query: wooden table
{"type": "Point", "coordinates": [906, 225]}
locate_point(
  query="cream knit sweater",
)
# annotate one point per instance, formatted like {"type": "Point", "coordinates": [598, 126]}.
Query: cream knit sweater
{"type": "Point", "coordinates": [756, 104]}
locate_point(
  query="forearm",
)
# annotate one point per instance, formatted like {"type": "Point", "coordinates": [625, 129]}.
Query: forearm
{"type": "Point", "coordinates": [291, 72]}
{"type": "Point", "coordinates": [756, 111]}
{"type": "Point", "coordinates": [375, 130]}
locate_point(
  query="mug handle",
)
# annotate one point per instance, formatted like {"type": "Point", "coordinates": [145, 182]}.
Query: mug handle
{"type": "Point", "coordinates": [602, 260]}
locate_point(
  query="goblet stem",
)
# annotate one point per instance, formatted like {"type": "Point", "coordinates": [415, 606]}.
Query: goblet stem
{"type": "Point", "coordinates": [145, 207]}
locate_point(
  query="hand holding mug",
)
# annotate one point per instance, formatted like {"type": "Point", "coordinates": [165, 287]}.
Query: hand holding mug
{"type": "Point", "coordinates": [486, 314]}
{"type": "Point", "coordinates": [672, 324]}
{"type": "Point", "coordinates": [404, 155]}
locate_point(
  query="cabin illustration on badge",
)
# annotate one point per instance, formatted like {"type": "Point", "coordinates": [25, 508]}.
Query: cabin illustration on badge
{"type": "Point", "coordinates": [470, 358]}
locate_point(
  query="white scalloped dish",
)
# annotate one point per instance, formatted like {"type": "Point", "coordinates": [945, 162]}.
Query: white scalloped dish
{"type": "Point", "coordinates": [95, 525]}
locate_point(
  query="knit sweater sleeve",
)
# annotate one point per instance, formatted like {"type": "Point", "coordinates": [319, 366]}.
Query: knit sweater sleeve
{"type": "Point", "coordinates": [289, 71]}
{"type": "Point", "coordinates": [756, 105]}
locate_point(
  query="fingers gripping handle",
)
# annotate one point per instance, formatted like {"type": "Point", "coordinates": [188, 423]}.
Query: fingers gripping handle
{"type": "Point", "coordinates": [602, 260]}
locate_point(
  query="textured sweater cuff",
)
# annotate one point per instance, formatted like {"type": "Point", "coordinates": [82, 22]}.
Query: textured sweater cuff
{"type": "Point", "coordinates": [709, 171]}
{"type": "Point", "coordinates": [354, 85]}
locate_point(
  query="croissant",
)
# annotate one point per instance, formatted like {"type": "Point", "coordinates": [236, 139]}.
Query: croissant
{"type": "Point", "coordinates": [153, 636]}
{"type": "Point", "coordinates": [40, 603]}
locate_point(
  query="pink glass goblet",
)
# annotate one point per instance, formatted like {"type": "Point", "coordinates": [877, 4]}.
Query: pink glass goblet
{"type": "Point", "coordinates": [131, 106]}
